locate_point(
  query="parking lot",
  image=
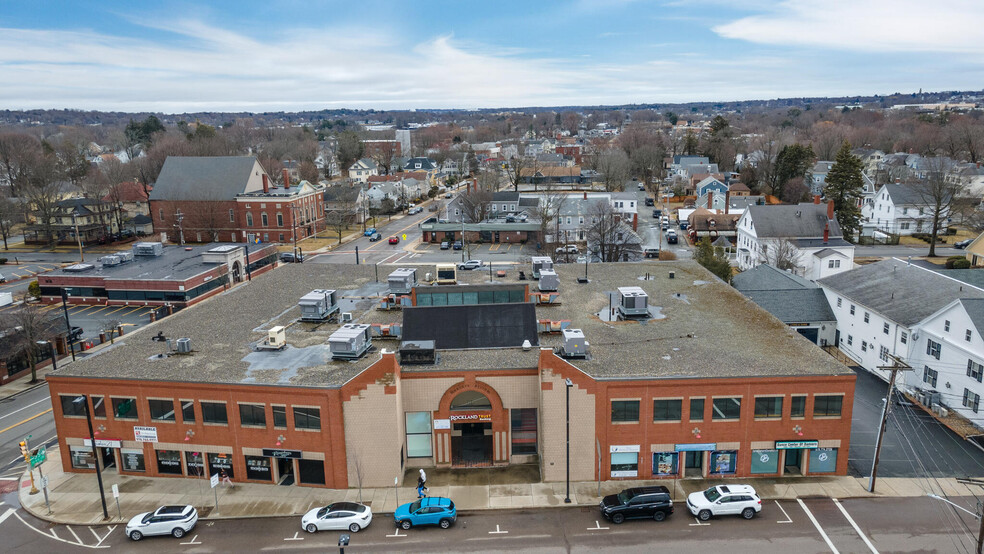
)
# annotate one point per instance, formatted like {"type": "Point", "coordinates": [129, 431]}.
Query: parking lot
{"type": "Point", "coordinates": [92, 319]}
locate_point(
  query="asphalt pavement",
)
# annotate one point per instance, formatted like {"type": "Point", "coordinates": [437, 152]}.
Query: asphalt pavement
{"type": "Point", "coordinates": [28, 413]}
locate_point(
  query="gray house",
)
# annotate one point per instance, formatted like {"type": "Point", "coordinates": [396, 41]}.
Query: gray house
{"type": "Point", "coordinates": [795, 301]}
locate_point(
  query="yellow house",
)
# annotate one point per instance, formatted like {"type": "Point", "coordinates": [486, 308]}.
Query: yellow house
{"type": "Point", "coordinates": [975, 252]}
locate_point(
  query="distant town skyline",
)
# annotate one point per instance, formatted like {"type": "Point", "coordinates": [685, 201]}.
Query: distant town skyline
{"type": "Point", "coordinates": [179, 56]}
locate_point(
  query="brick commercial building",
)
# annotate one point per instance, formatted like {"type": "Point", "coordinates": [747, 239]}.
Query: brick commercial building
{"type": "Point", "coordinates": [691, 379]}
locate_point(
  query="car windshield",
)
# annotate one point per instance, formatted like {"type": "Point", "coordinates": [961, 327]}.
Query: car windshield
{"type": "Point", "coordinates": [624, 497]}
{"type": "Point", "coordinates": [415, 506]}
{"type": "Point", "coordinates": [323, 511]}
{"type": "Point", "coordinates": [712, 494]}
{"type": "Point", "coordinates": [146, 518]}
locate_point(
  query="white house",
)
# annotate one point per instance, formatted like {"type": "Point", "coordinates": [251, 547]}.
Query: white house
{"type": "Point", "coordinates": [361, 170]}
{"type": "Point", "coordinates": [901, 209]}
{"type": "Point", "coordinates": [806, 233]}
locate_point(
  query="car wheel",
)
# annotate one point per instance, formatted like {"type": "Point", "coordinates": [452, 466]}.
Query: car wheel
{"type": "Point", "coordinates": [704, 515]}
{"type": "Point", "coordinates": [748, 513]}
{"type": "Point", "coordinates": [618, 518]}
{"type": "Point", "coordinates": [178, 532]}
{"type": "Point", "coordinates": [659, 516]}
{"type": "Point", "coordinates": [311, 528]}
{"type": "Point", "coordinates": [355, 528]}
{"type": "Point", "coordinates": [405, 524]}
{"type": "Point", "coordinates": [136, 535]}
{"type": "Point", "coordinates": [445, 523]}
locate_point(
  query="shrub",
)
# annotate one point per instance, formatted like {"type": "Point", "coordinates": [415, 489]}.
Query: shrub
{"type": "Point", "coordinates": [962, 263]}
{"type": "Point", "coordinates": [34, 289]}
{"type": "Point", "coordinates": [666, 256]}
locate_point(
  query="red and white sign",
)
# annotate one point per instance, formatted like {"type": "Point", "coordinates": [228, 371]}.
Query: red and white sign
{"type": "Point", "coordinates": [468, 418]}
{"type": "Point", "coordinates": [104, 443]}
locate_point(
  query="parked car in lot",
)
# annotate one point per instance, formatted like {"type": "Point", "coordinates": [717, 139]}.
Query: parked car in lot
{"type": "Point", "coordinates": [637, 503]}
{"type": "Point", "coordinates": [650, 202]}
{"type": "Point", "coordinates": [350, 516]}
{"type": "Point", "coordinates": [370, 232]}
{"type": "Point", "coordinates": [642, 186]}
{"type": "Point", "coordinates": [471, 264]}
{"type": "Point", "coordinates": [445, 245]}
{"type": "Point", "coordinates": [76, 334]}
{"type": "Point", "coordinates": [671, 237]}
{"type": "Point", "coordinates": [458, 245]}
{"type": "Point", "coordinates": [684, 225]}
{"type": "Point", "coordinates": [448, 195]}
{"type": "Point", "coordinates": [657, 213]}
{"type": "Point", "coordinates": [725, 500]}
{"type": "Point", "coordinates": [375, 237]}
{"type": "Point", "coordinates": [652, 252]}
{"type": "Point", "coordinates": [959, 244]}
{"type": "Point", "coordinates": [429, 510]}
{"type": "Point", "coordinates": [394, 240]}
{"type": "Point", "coordinates": [166, 520]}
{"type": "Point", "coordinates": [290, 257]}
{"type": "Point", "coordinates": [567, 249]}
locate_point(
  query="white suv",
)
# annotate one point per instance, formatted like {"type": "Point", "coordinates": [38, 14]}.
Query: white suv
{"type": "Point", "coordinates": [166, 520]}
{"type": "Point", "coordinates": [725, 500]}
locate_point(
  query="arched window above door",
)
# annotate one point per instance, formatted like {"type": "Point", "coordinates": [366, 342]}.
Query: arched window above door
{"type": "Point", "coordinates": [470, 400]}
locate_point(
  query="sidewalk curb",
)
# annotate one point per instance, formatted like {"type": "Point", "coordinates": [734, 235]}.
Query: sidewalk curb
{"type": "Point", "coordinates": [41, 382]}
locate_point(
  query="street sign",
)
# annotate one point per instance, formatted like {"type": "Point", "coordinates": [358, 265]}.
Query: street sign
{"type": "Point", "coordinates": [44, 482]}
{"type": "Point", "coordinates": [39, 457]}
{"type": "Point", "coordinates": [116, 491]}
{"type": "Point", "coordinates": [214, 480]}
{"type": "Point", "coordinates": [145, 434]}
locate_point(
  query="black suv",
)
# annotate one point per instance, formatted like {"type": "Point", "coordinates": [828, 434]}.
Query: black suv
{"type": "Point", "coordinates": [637, 503]}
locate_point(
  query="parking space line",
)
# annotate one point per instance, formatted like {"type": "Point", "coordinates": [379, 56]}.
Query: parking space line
{"type": "Point", "coordinates": [855, 525]}
{"type": "Point", "coordinates": [498, 532]}
{"type": "Point", "coordinates": [6, 514]}
{"type": "Point", "coordinates": [817, 525]}
{"type": "Point", "coordinates": [397, 534]}
{"type": "Point", "coordinates": [295, 537]}
{"type": "Point", "coordinates": [698, 524]}
{"type": "Point", "coordinates": [788, 519]}
{"type": "Point", "coordinates": [117, 309]}
{"type": "Point", "coordinates": [597, 527]}
{"type": "Point", "coordinates": [72, 531]}
{"type": "Point", "coordinates": [192, 541]}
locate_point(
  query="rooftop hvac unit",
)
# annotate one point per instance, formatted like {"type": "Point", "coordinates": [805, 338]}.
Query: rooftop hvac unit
{"type": "Point", "coordinates": [124, 256]}
{"type": "Point", "coordinates": [575, 345]}
{"type": "Point", "coordinates": [418, 352]}
{"type": "Point", "coordinates": [318, 305]}
{"type": "Point", "coordinates": [929, 397]}
{"type": "Point", "coordinates": [79, 268]}
{"type": "Point", "coordinates": [632, 301]}
{"type": "Point", "coordinates": [184, 346]}
{"type": "Point", "coordinates": [549, 281]}
{"type": "Point", "coordinates": [402, 280]}
{"type": "Point", "coordinates": [110, 260]}
{"type": "Point", "coordinates": [346, 317]}
{"type": "Point", "coordinates": [350, 341]}
{"type": "Point", "coordinates": [276, 339]}
{"type": "Point", "coordinates": [540, 263]}
{"type": "Point", "coordinates": [148, 249]}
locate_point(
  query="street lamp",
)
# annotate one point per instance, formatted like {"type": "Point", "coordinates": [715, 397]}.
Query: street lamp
{"type": "Point", "coordinates": [54, 363]}
{"type": "Point", "coordinates": [567, 499]}
{"type": "Point", "coordinates": [95, 455]}
{"type": "Point", "coordinates": [71, 343]}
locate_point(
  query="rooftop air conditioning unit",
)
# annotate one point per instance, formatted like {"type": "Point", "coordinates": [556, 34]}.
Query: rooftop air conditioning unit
{"type": "Point", "coordinates": [110, 260]}
{"type": "Point", "coordinates": [148, 249]}
{"type": "Point", "coordinates": [79, 268]}
{"type": "Point", "coordinates": [184, 346]}
{"type": "Point", "coordinates": [124, 256]}
{"type": "Point", "coordinates": [575, 345]}
{"type": "Point", "coordinates": [318, 305]}
{"type": "Point", "coordinates": [540, 263]}
{"type": "Point", "coordinates": [346, 317]}
{"type": "Point", "coordinates": [402, 280]}
{"type": "Point", "coordinates": [350, 341]}
{"type": "Point", "coordinates": [549, 282]}
{"type": "Point", "coordinates": [931, 397]}
{"type": "Point", "coordinates": [633, 301]}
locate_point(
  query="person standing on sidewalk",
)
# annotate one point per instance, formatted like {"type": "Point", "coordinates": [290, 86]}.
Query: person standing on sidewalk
{"type": "Point", "coordinates": [224, 477]}
{"type": "Point", "coordinates": [422, 484]}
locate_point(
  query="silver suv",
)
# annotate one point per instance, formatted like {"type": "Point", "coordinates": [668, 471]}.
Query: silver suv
{"type": "Point", "coordinates": [724, 500]}
{"type": "Point", "coordinates": [166, 520]}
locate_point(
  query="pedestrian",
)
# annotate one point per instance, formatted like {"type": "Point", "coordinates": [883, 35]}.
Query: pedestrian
{"type": "Point", "coordinates": [224, 477]}
{"type": "Point", "coordinates": [423, 481]}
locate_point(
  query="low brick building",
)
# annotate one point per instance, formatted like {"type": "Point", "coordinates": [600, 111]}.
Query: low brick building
{"type": "Point", "coordinates": [694, 380]}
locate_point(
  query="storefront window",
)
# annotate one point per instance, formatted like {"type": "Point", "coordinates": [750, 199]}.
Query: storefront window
{"type": "Point", "coordinates": [765, 461]}
{"type": "Point", "coordinates": [625, 464]}
{"type": "Point", "coordinates": [258, 468]}
{"type": "Point", "coordinates": [72, 408]}
{"type": "Point", "coordinates": [82, 457]}
{"type": "Point", "coordinates": [667, 409]}
{"type": "Point", "coordinates": [726, 408]}
{"type": "Point", "coordinates": [312, 472]}
{"type": "Point", "coordinates": [217, 463]}
{"type": "Point", "coordinates": [823, 460]}
{"type": "Point", "coordinates": [665, 463]}
{"type": "Point", "coordinates": [418, 434]}
{"type": "Point", "coordinates": [125, 408]}
{"type": "Point", "coordinates": [523, 424]}
{"type": "Point", "coordinates": [99, 406]}
{"type": "Point", "coordinates": [161, 410]}
{"type": "Point", "coordinates": [169, 461]}
{"type": "Point", "coordinates": [133, 459]}
{"type": "Point", "coordinates": [723, 461]}
{"type": "Point", "coordinates": [194, 464]}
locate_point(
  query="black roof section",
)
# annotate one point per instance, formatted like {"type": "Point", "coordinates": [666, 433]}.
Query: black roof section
{"type": "Point", "coordinates": [472, 326]}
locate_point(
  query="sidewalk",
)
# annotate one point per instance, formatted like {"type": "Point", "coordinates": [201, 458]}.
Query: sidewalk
{"type": "Point", "coordinates": [74, 498]}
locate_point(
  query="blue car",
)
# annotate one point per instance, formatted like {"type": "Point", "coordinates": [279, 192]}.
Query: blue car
{"type": "Point", "coordinates": [370, 232]}
{"type": "Point", "coordinates": [430, 510]}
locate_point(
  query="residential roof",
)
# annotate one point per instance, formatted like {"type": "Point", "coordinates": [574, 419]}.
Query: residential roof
{"type": "Point", "coordinates": [472, 326]}
{"type": "Point", "coordinates": [737, 186]}
{"type": "Point", "coordinates": [794, 305]}
{"type": "Point", "coordinates": [769, 277]}
{"type": "Point", "coordinates": [904, 194]}
{"type": "Point", "coordinates": [904, 293]}
{"type": "Point", "coordinates": [791, 221]}
{"type": "Point", "coordinates": [205, 178]}
{"type": "Point", "coordinates": [826, 253]}
{"type": "Point", "coordinates": [127, 192]}
{"type": "Point", "coordinates": [553, 171]}
{"type": "Point", "coordinates": [975, 310]}
{"type": "Point", "coordinates": [424, 164]}
{"type": "Point", "coordinates": [505, 196]}
{"type": "Point", "coordinates": [142, 219]}
{"type": "Point", "coordinates": [974, 277]}
{"type": "Point", "coordinates": [342, 193]}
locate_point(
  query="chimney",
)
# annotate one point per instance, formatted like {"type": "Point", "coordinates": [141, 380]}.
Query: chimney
{"type": "Point", "coordinates": [635, 222]}
{"type": "Point", "coordinates": [826, 233]}
{"type": "Point", "coordinates": [585, 195]}
{"type": "Point", "coordinates": [710, 200]}
{"type": "Point", "coordinates": [816, 198]}
{"type": "Point", "coordinates": [286, 178]}
{"type": "Point", "coordinates": [266, 183]}
{"type": "Point", "coordinates": [830, 209]}
{"type": "Point", "coordinates": [727, 201]}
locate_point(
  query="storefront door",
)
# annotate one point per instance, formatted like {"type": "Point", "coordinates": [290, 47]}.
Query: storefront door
{"type": "Point", "coordinates": [108, 457]}
{"type": "Point", "coordinates": [694, 464]}
{"type": "Point", "coordinates": [285, 468]}
{"type": "Point", "coordinates": [794, 462]}
{"type": "Point", "coordinates": [474, 445]}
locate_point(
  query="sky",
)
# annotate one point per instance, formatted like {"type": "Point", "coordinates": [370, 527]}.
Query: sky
{"type": "Point", "coordinates": [272, 55]}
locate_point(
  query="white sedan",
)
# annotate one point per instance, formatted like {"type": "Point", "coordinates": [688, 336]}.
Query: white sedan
{"type": "Point", "coordinates": [340, 515]}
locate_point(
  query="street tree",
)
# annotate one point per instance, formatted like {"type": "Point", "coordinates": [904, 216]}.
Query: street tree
{"type": "Point", "coordinates": [783, 255]}
{"type": "Point", "coordinates": [792, 161]}
{"type": "Point", "coordinates": [613, 165]}
{"type": "Point", "coordinates": [475, 205]}
{"type": "Point", "coordinates": [340, 217]}
{"type": "Point", "coordinates": [25, 326]}
{"type": "Point", "coordinates": [844, 188]}
{"type": "Point", "coordinates": [9, 212]}
{"type": "Point", "coordinates": [43, 190]}
{"type": "Point", "coordinates": [515, 171]}
{"type": "Point", "coordinates": [609, 238]}
{"type": "Point", "coordinates": [939, 193]}
{"type": "Point", "coordinates": [547, 211]}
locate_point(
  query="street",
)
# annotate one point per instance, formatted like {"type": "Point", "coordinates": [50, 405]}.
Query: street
{"type": "Point", "coordinates": [26, 414]}
{"type": "Point", "coordinates": [918, 524]}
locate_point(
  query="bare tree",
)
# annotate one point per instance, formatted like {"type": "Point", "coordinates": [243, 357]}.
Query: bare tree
{"type": "Point", "coordinates": [783, 255]}
{"type": "Point", "coordinates": [609, 238]}
{"type": "Point", "coordinates": [613, 164]}
{"type": "Point", "coordinates": [488, 179]}
{"type": "Point", "coordinates": [340, 217]}
{"type": "Point", "coordinates": [547, 211]}
{"type": "Point", "coordinates": [16, 149]}
{"type": "Point", "coordinates": [27, 325]}
{"type": "Point", "coordinates": [939, 193]}
{"type": "Point", "coordinates": [43, 191]}
{"type": "Point", "coordinates": [111, 326]}
{"type": "Point", "coordinates": [9, 211]}
{"type": "Point", "coordinates": [475, 205]}
{"type": "Point", "coordinates": [516, 167]}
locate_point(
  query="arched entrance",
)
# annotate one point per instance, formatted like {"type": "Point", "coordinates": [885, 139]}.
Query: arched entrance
{"type": "Point", "coordinates": [237, 272]}
{"type": "Point", "coordinates": [476, 426]}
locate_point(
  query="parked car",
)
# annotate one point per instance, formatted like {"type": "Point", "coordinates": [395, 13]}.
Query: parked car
{"type": "Point", "coordinates": [415, 210]}
{"type": "Point", "coordinates": [458, 245]}
{"type": "Point", "coordinates": [429, 510]}
{"type": "Point", "coordinates": [568, 249]}
{"type": "Point", "coordinates": [657, 213]}
{"type": "Point", "coordinates": [394, 239]}
{"type": "Point", "coordinates": [2, 278]}
{"type": "Point", "coordinates": [665, 226]}
{"type": "Point", "coordinates": [684, 225]}
{"type": "Point", "coordinates": [445, 245]}
{"type": "Point", "coordinates": [470, 264]}
{"type": "Point", "coordinates": [370, 232]}
{"type": "Point", "coordinates": [642, 186]}
{"type": "Point", "coordinates": [725, 500]}
{"type": "Point", "coordinates": [166, 520]}
{"type": "Point", "coordinates": [76, 334]}
{"type": "Point", "coordinates": [650, 202]}
{"type": "Point", "coordinates": [959, 244]}
{"type": "Point", "coordinates": [290, 257]}
{"type": "Point", "coordinates": [375, 237]}
{"type": "Point", "coordinates": [652, 252]}
{"type": "Point", "coordinates": [637, 503]}
{"type": "Point", "coordinates": [448, 195]}
{"type": "Point", "coordinates": [671, 237]}
{"type": "Point", "coordinates": [340, 515]}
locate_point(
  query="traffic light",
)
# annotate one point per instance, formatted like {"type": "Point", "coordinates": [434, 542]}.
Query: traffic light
{"type": "Point", "coordinates": [24, 451]}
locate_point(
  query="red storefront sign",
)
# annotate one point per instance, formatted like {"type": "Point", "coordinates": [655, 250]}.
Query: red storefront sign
{"type": "Point", "coordinates": [470, 418]}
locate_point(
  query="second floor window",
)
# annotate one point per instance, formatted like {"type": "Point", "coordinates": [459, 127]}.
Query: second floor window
{"type": "Point", "coordinates": [975, 370]}
{"type": "Point", "coordinates": [263, 219]}
{"type": "Point", "coordinates": [827, 405]}
{"type": "Point", "coordinates": [933, 348]}
{"type": "Point", "coordinates": [625, 411]}
{"type": "Point", "coordinates": [726, 408]}
{"type": "Point", "coordinates": [214, 412]}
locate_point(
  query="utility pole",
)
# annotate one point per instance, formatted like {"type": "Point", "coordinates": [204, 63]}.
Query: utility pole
{"type": "Point", "coordinates": [75, 221]}
{"type": "Point", "coordinates": [179, 217]}
{"type": "Point", "coordinates": [897, 364]}
{"type": "Point", "coordinates": [979, 515]}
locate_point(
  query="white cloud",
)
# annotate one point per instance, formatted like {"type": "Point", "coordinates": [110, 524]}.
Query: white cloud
{"type": "Point", "coordinates": [946, 26]}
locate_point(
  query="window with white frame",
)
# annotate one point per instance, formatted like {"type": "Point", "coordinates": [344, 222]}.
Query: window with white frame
{"type": "Point", "coordinates": [885, 328]}
{"type": "Point", "coordinates": [850, 340]}
{"type": "Point", "coordinates": [852, 309]}
{"type": "Point", "coordinates": [930, 375]}
{"type": "Point", "coordinates": [883, 353]}
{"type": "Point", "coordinates": [933, 348]}
{"type": "Point", "coordinates": [833, 264]}
{"type": "Point", "coordinates": [864, 346]}
{"type": "Point", "coordinates": [968, 335]}
{"type": "Point", "coordinates": [975, 370]}
{"type": "Point", "coordinates": [839, 302]}
{"type": "Point", "coordinates": [904, 337]}
{"type": "Point", "coordinates": [946, 325]}
{"type": "Point", "coordinates": [971, 400]}
{"type": "Point", "coordinates": [867, 317]}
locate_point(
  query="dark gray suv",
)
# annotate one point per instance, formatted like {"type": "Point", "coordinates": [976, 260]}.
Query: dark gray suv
{"type": "Point", "coordinates": [637, 503]}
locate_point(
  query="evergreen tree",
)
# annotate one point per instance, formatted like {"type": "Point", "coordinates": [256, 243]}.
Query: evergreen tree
{"type": "Point", "coordinates": [843, 186]}
{"type": "Point", "coordinates": [713, 259]}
